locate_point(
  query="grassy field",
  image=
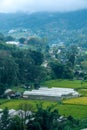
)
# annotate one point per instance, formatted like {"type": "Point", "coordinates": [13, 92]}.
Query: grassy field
{"type": "Point", "coordinates": [77, 101]}
{"type": "Point", "coordinates": [77, 111]}
{"type": "Point", "coordinates": [76, 84]}
{"type": "Point", "coordinates": [2, 101]}
{"type": "Point", "coordinates": [15, 103]}
{"type": "Point", "coordinates": [83, 92]}
{"type": "Point", "coordinates": [18, 88]}
{"type": "Point", "coordinates": [66, 83]}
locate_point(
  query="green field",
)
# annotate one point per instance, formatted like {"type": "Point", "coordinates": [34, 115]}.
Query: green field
{"type": "Point", "coordinates": [77, 107]}
{"type": "Point", "coordinates": [76, 84]}
{"type": "Point", "coordinates": [65, 84]}
{"type": "Point", "coordinates": [77, 101]}
{"type": "Point", "coordinates": [18, 88]}
{"type": "Point", "coordinates": [83, 92]}
{"type": "Point", "coordinates": [2, 101]}
{"type": "Point", "coordinates": [15, 103]}
{"type": "Point", "coordinates": [77, 111]}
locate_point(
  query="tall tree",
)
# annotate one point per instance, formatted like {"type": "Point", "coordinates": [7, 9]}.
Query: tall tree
{"type": "Point", "coordinates": [5, 120]}
{"type": "Point", "coordinates": [8, 68]}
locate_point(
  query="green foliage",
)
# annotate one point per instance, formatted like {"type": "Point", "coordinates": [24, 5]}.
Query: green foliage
{"type": "Point", "coordinates": [22, 40]}
{"type": "Point", "coordinates": [37, 57]}
{"type": "Point", "coordinates": [5, 120]}
{"type": "Point", "coordinates": [43, 119]}
{"type": "Point", "coordinates": [83, 92]}
{"type": "Point", "coordinates": [2, 88]}
{"type": "Point", "coordinates": [16, 123]}
{"type": "Point", "coordinates": [75, 110]}
{"type": "Point", "coordinates": [9, 38]}
{"type": "Point", "coordinates": [1, 37]}
{"type": "Point", "coordinates": [64, 83]}
{"type": "Point", "coordinates": [69, 31]}
{"type": "Point", "coordinates": [8, 69]}
{"type": "Point", "coordinates": [61, 71]}
{"type": "Point", "coordinates": [34, 41]}
{"type": "Point", "coordinates": [20, 66]}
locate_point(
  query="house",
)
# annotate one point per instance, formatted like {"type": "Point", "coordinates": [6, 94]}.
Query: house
{"type": "Point", "coordinates": [9, 93]}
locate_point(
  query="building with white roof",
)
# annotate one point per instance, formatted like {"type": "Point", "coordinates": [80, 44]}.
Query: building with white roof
{"type": "Point", "coordinates": [56, 93]}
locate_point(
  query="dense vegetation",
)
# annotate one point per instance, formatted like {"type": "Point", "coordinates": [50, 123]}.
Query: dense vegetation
{"type": "Point", "coordinates": [34, 61]}
{"type": "Point", "coordinates": [42, 119]}
{"type": "Point", "coordinates": [57, 27]}
{"type": "Point", "coordinates": [20, 66]}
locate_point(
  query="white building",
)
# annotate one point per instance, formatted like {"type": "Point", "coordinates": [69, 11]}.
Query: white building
{"type": "Point", "coordinates": [57, 93]}
{"type": "Point", "coordinates": [12, 42]}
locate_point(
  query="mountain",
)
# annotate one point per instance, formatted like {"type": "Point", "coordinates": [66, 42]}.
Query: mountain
{"type": "Point", "coordinates": [69, 27]}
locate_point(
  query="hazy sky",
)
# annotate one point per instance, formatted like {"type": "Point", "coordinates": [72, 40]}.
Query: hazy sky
{"type": "Point", "coordinates": [41, 5]}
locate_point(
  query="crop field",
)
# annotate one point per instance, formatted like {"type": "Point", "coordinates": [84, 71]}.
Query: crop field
{"type": "Point", "coordinates": [66, 84]}
{"type": "Point", "coordinates": [76, 110]}
{"type": "Point", "coordinates": [80, 101]}
{"type": "Point", "coordinates": [76, 107]}
{"type": "Point", "coordinates": [18, 88]}
{"type": "Point", "coordinates": [2, 101]}
{"type": "Point", "coordinates": [15, 104]}
{"type": "Point", "coordinates": [83, 92]}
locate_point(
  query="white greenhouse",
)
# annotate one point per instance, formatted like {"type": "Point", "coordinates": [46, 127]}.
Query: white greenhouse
{"type": "Point", "coordinates": [57, 93]}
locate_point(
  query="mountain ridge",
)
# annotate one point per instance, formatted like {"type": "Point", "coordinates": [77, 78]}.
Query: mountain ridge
{"type": "Point", "coordinates": [55, 26]}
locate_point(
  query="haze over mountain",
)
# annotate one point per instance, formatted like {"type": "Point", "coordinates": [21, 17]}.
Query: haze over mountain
{"type": "Point", "coordinates": [57, 20]}
{"type": "Point", "coordinates": [57, 27]}
{"type": "Point", "coordinates": [41, 5]}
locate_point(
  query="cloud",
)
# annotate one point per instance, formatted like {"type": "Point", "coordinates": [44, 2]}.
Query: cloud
{"type": "Point", "coordinates": [41, 5]}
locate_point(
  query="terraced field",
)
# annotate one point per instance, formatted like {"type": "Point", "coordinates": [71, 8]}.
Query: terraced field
{"type": "Point", "coordinates": [77, 101]}
{"type": "Point", "coordinates": [76, 107]}
{"type": "Point", "coordinates": [76, 110]}
{"type": "Point", "coordinates": [83, 92]}
{"type": "Point", "coordinates": [66, 84]}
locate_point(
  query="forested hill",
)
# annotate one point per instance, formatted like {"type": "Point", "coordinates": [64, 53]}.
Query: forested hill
{"type": "Point", "coordinates": [56, 27]}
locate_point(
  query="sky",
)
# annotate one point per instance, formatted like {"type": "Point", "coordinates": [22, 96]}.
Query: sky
{"type": "Point", "coordinates": [41, 5]}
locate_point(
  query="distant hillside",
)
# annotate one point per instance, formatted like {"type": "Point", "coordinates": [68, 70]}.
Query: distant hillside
{"type": "Point", "coordinates": [56, 27]}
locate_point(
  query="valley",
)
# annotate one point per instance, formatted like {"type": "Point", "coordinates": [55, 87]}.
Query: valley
{"type": "Point", "coordinates": [43, 69]}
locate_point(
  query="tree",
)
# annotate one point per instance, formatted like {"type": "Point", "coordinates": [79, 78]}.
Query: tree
{"type": "Point", "coordinates": [22, 40]}
{"type": "Point", "coordinates": [30, 64]}
{"type": "Point", "coordinates": [16, 123]}
{"type": "Point", "coordinates": [2, 89]}
{"type": "Point", "coordinates": [5, 120]}
{"type": "Point", "coordinates": [34, 41]}
{"type": "Point", "coordinates": [33, 125]}
{"type": "Point", "coordinates": [9, 38]}
{"type": "Point", "coordinates": [71, 55]}
{"type": "Point", "coordinates": [8, 69]}
{"type": "Point", "coordinates": [45, 119]}
{"type": "Point", "coordinates": [37, 43]}
{"type": "Point", "coordinates": [58, 69]}
{"type": "Point", "coordinates": [61, 71]}
{"type": "Point", "coordinates": [1, 37]}
{"type": "Point", "coordinates": [37, 57]}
